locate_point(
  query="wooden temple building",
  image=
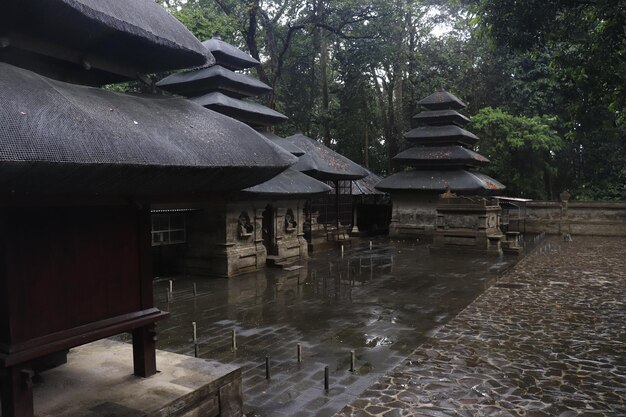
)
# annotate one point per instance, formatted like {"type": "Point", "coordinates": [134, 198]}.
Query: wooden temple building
{"type": "Point", "coordinates": [79, 168]}
{"type": "Point", "coordinates": [440, 197]}
{"type": "Point", "coordinates": [259, 225]}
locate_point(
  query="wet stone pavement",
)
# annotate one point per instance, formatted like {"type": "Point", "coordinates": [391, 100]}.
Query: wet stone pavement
{"type": "Point", "coordinates": [381, 303]}
{"type": "Point", "coordinates": [549, 339]}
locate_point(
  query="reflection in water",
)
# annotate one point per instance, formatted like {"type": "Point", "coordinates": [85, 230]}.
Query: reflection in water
{"type": "Point", "coordinates": [381, 302]}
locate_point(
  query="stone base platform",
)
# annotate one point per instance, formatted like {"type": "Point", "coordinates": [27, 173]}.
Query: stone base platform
{"type": "Point", "coordinates": [98, 381]}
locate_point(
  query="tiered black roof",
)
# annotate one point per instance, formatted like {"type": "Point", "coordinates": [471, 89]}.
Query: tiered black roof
{"type": "Point", "coordinates": [440, 158]}
{"type": "Point", "coordinates": [219, 88]}
{"type": "Point", "coordinates": [96, 42]}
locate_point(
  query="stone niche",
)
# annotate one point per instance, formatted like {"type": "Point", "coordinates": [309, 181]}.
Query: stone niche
{"type": "Point", "coordinates": [468, 224]}
{"type": "Point", "coordinates": [414, 216]}
{"type": "Point", "coordinates": [284, 231]}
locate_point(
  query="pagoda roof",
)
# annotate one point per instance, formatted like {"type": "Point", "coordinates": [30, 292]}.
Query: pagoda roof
{"type": "Point", "coordinates": [441, 117]}
{"type": "Point", "coordinates": [229, 56]}
{"type": "Point", "coordinates": [323, 163]}
{"type": "Point", "coordinates": [453, 155]}
{"type": "Point", "coordinates": [290, 184]}
{"type": "Point", "coordinates": [441, 135]}
{"type": "Point", "coordinates": [283, 143]}
{"type": "Point", "coordinates": [97, 41]}
{"type": "Point", "coordinates": [66, 139]}
{"type": "Point", "coordinates": [216, 78]}
{"type": "Point", "coordinates": [457, 180]}
{"type": "Point", "coordinates": [248, 112]}
{"type": "Point", "coordinates": [441, 100]}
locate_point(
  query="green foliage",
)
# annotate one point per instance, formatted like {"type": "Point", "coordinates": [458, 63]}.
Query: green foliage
{"type": "Point", "coordinates": [521, 150]}
{"type": "Point", "coordinates": [547, 79]}
{"type": "Point", "coordinates": [579, 49]}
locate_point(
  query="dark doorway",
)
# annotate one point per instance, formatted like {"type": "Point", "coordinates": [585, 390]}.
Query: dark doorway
{"type": "Point", "coordinates": [269, 230]}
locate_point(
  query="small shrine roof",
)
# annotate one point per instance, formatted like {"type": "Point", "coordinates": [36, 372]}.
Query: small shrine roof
{"type": "Point", "coordinates": [290, 184]}
{"type": "Point", "coordinates": [441, 100]}
{"type": "Point", "coordinates": [216, 78]}
{"type": "Point", "coordinates": [367, 185]}
{"type": "Point", "coordinates": [283, 143]}
{"type": "Point", "coordinates": [453, 155]}
{"type": "Point", "coordinates": [248, 112]}
{"type": "Point", "coordinates": [457, 180]}
{"type": "Point", "coordinates": [323, 163]}
{"type": "Point", "coordinates": [441, 135]}
{"type": "Point", "coordinates": [99, 40]}
{"type": "Point", "coordinates": [228, 55]}
{"type": "Point", "coordinates": [60, 138]}
{"type": "Point", "coordinates": [441, 117]}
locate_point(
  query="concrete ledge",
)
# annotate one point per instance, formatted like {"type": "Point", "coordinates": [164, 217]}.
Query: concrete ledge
{"type": "Point", "coordinates": [97, 381]}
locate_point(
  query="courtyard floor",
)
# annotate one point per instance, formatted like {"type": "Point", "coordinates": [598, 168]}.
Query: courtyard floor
{"type": "Point", "coordinates": [549, 339]}
{"type": "Point", "coordinates": [433, 334]}
{"type": "Point", "coordinates": [381, 302]}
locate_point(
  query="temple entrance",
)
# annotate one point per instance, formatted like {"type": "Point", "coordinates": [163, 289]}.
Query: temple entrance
{"type": "Point", "coordinates": [269, 230]}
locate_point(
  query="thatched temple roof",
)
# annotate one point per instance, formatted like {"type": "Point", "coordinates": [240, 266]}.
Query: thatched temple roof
{"type": "Point", "coordinates": [441, 117]}
{"type": "Point", "coordinates": [283, 143]}
{"type": "Point", "coordinates": [439, 181]}
{"type": "Point", "coordinates": [323, 163]}
{"type": "Point", "coordinates": [440, 156]}
{"type": "Point", "coordinates": [228, 55]}
{"type": "Point", "coordinates": [59, 138]}
{"type": "Point", "coordinates": [441, 100]}
{"type": "Point", "coordinates": [440, 135]}
{"type": "Point", "coordinates": [248, 112]}
{"type": "Point", "coordinates": [96, 41]}
{"type": "Point", "coordinates": [215, 78]}
{"type": "Point", "coordinates": [289, 184]}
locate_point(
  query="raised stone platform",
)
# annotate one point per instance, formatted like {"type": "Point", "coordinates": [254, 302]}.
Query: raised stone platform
{"type": "Point", "coordinates": [98, 381]}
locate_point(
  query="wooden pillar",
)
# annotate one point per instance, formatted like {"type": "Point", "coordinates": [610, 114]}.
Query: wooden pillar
{"type": "Point", "coordinates": [144, 338]}
{"type": "Point", "coordinates": [17, 392]}
{"type": "Point", "coordinates": [144, 351]}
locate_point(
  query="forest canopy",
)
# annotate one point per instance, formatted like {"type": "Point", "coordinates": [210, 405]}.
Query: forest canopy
{"type": "Point", "coordinates": [544, 81]}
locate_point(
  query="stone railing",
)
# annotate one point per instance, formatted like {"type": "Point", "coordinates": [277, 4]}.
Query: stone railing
{"type": "Point", "coordinates": [577, 217]}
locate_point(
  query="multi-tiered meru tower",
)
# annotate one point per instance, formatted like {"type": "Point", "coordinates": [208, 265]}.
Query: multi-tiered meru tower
{"type": "Point", "coordinates": [440, 161]}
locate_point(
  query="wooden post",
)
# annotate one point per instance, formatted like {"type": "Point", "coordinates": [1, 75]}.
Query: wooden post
{"type": "Point", "coordinates": [17, 392]}
{"type": "Point", "coordinates": [144, 351]}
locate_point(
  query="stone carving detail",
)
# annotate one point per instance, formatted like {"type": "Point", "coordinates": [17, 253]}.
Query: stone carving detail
{"type": "Point", "coordinates": [244, 226]}
{"type": "Point", "coordinates": [290, 222]}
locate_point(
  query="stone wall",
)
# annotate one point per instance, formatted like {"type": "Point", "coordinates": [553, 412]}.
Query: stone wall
{"type": "Point", "coordinates": [577, 218]}
{"type": "Point", "coordinates": [226, 239]}
{"type": "Point", "coordinates": [413, 216]}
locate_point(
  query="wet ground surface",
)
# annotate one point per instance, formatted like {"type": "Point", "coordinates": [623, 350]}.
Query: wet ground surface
{"type": "Point", "coordinates": [381, 303]}
{"type": "Point", "coordinates": [549, 339]}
